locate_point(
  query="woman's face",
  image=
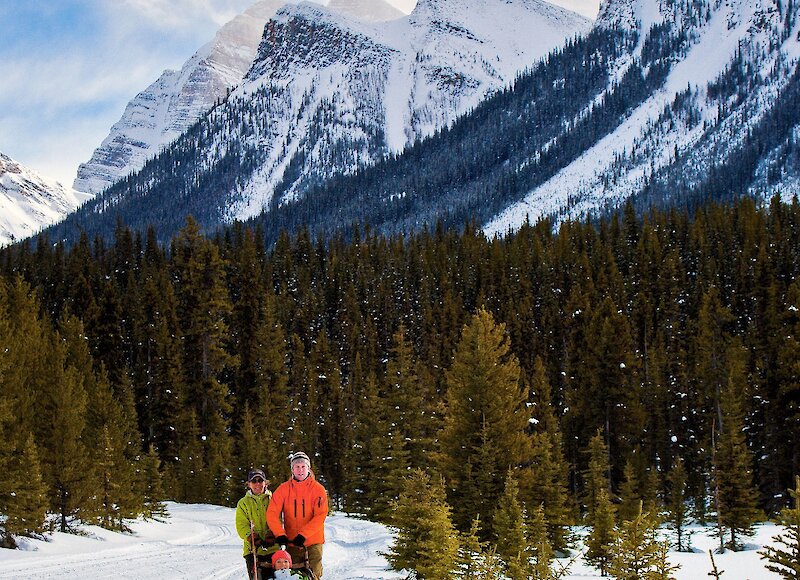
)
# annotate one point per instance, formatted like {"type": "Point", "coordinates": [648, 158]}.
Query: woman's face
{"type": "Point", "coordinates": [257, 485]}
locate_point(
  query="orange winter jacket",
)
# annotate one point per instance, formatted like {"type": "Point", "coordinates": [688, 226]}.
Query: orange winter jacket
{"type": "Point", "coordinates": [303, 505]}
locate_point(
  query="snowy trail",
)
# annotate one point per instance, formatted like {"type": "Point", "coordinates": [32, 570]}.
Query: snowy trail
{"type": "Point", "coordinates": [198, 541]}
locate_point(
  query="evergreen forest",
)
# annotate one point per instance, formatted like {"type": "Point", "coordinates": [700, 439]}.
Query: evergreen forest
{"type": "Point", "coordinates": [598, 370]}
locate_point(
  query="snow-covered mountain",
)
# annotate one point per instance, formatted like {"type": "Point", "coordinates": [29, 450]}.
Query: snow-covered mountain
{"type": "Point", "coordinates": [174, 102]}
{"type": "Point", "coordinates": [726, 70]}
{"type": "Point", "coordinates": [662, 102]}
{"type": "Point", "coordinates": [30, 202]}
{"type": "Point", "coordinates": [327, 95]}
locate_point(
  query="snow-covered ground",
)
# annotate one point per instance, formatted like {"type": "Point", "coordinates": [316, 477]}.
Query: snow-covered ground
{"type": "Point", "coordinates": [199, 541]}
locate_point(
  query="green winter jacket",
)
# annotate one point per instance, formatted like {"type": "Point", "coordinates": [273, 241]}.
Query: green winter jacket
{"type": "Point", "coordinates": [253, 508]}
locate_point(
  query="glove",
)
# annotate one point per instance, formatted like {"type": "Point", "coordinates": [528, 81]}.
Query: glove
{"type": "Point", "coordinates": [299, 540]}
{"type": "Point", "coordinates": [269, 540]}
{"type": "Point", "coordinates": [282, 540]}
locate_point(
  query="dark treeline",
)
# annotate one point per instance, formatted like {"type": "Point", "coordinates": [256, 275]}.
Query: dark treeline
{"type": "Point", "coordinates": [665, 334]}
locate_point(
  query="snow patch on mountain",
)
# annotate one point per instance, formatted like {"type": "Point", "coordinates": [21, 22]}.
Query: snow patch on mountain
{"type": "Point", "coordinates": [30, 202]}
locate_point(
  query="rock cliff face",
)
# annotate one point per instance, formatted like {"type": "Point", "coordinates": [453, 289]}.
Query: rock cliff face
{"type": "Point", "coordinates": [30, 202]}
{"type": "Point", "coordinates": [168, 107]}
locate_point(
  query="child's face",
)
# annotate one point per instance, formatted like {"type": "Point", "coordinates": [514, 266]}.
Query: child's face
{"type": "Point", "coordinates": [282, 564]}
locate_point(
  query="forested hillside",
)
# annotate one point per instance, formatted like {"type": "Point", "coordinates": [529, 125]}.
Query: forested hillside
{"type": "Point", "coordinates": [675, 337]}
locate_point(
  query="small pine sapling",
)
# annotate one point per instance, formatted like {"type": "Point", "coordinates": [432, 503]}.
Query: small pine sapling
{"type": "Point", "coordinates": [786, 561]}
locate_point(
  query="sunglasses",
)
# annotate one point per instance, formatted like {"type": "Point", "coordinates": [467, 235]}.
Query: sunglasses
{"type": "Point", "coordinates": [256, 480]}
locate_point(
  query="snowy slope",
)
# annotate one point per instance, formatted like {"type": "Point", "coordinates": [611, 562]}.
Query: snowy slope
{"type": "Point", "coordinates": [642, 149]}
{"type": "Point", "coordinates": [30, 202]}
{"type": "Point", "coordinates": [177, 99]}
{"type": "Point", "coordinates": [199, 541]}
{"type": "Point", "coordinates": [339, 94]}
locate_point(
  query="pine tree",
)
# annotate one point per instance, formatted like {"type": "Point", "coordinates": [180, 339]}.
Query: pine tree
{"type": "Point", "coordinates": [219, 472]}
{"type": "Point", "coordinates": [26, 508]}
{"type": "Point", "coordinates": [599, 543]}
{"type": "Point", "coordinates": [152, 487]}
{"type": "Point", "coordinates": [541, 549]}
{"type": "Point", "coordinates": [630, 500]}
{"type": "Point", "coordinates": [547, 483]}
{"type": "Point", "coordinates": [406, 400]}
{"type": "Point", "coordinates": [662, 569]}
{"type": "Point", "coordinates": [187, 483]}
{"type": "Point", "coordinates": [203, 308]}
{"type": "Point", "coordinates": [65, 459]}
{"type": "Point", "coordinates": [785, 560]}
{"type": "Point", "coordinates": [249, 446]}
{"type": "Point", "coordinates": [596, 477]}
{"type": "Point", "coordinates": [733, 464]}
{"type": "Point", "coordinates": [635, 549]}
{"type": "Point", "coordinates": [677, 512]}
{"type": "Point", "coordinates": [478, 560]}
{"type": "Point", "coordinates": [510, 532]}
{"type": "Point", "coordinates": [426, 541]}
{"type": "Point", "coordinates": [485, 408]}
{"type": "Point", "coordinates": [7, 479]}
{"type": "Point", "coordinates": [366, 453]}
{"type": "Point", "coordinates": [105, 464]}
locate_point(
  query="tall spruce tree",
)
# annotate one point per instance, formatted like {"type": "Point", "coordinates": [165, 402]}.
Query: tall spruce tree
{"type": "Point", "coordinates": [541, 548]}
{"type": "Point", "coordinates": [407, 402]}
{"type": "Point", "coordinates": [596, 477]}
{"type": "Point", "coordinates": [547, 483]}
{"type": "Point", "coordinates": [366, 454]}
{"type": "Point", "coordinates": [733, 469]}
{"type": "Point", "coordinates": [677, 511]}
{"type": "Point", "coordinates": [630, 499]}
{"type": "Point", "coordinates": [66, 461]}
{"type": "Point", "coordinates": [26, 507]}
{"type": "Point", "coordinates": [203, 309]}
{"type": "Point", "coordinates": [485, 407]}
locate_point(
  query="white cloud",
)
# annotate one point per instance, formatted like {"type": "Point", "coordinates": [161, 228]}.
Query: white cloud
{"type": "Point", "coordinates": [178, 14]}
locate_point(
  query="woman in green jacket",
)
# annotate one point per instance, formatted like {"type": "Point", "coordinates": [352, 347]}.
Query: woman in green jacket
{"type": "Point", "coordinates": [251, 521]}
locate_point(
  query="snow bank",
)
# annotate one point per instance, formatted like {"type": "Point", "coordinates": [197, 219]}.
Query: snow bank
{"type": "Point", "coordinates": [199, 541]}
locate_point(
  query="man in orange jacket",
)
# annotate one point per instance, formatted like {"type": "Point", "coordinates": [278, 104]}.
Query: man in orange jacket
{"type": "Point", "coordinates": [296, 514]}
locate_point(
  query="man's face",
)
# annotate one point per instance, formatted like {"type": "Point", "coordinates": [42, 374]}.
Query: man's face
{"type": "Point", "coordinates": [300, 470]}
{"type": "Point", "coordinates": [282, 564]}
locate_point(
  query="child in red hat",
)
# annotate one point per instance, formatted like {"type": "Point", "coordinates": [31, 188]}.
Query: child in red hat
{"type": "Point", "coordinates": [282, 564]}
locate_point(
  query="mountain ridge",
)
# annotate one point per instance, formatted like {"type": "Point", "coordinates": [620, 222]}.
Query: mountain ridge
{"type": "Point", "coordinates": [168, 107]}
{"type": "Point", "coordinates": [30, 202]}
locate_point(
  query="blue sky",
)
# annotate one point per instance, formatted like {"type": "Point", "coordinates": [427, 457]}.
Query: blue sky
{"type": "Point", "coordinates": [69, 67]}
